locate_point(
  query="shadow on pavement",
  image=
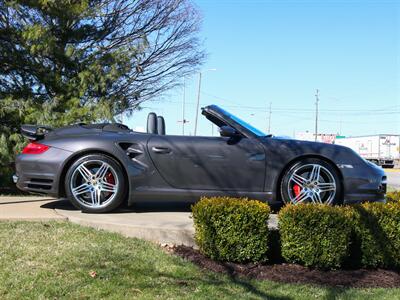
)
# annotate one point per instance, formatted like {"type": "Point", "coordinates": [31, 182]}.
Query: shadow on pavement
{"type": "Point", "coordinates": [63, 204]}
{"type": "Point", "coordinates": [138, 207]}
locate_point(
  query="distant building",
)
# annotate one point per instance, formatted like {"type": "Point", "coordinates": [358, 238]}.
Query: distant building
{"type": "Point", "coordinates": [381, 149]}
{"type": "Point", "coordinates": [328, 138]}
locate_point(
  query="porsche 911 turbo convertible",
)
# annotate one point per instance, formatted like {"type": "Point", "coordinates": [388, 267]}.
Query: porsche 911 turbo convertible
{"type": "Point", "coordinates": [99, 166]}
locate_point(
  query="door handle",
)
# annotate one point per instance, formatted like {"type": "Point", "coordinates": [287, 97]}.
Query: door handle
{"type": "Point", "coordinates": [161, 150]}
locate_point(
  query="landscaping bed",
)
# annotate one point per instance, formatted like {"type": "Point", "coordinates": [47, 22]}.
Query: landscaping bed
{"type": "Point", "coordinates": [337, 246]}
{"type": "Point", "coordinates": [293, 273]}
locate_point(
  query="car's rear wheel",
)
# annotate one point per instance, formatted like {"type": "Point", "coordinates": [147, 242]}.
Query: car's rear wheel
{"type": "Point", "coordinates": [95, 183]}
{"type": "Point", "coordinates": [311, 181]}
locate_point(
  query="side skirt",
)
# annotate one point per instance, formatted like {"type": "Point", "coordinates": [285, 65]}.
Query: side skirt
{"type": "Point", "coordinates": [165, 194]}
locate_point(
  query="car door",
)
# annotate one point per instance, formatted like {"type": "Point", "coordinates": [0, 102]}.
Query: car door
{"type": "Point", "coordinates": [209, 163]}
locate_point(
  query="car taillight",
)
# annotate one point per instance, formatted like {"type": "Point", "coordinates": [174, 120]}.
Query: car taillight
{"type": "Point", "coordinates": [35, 148]}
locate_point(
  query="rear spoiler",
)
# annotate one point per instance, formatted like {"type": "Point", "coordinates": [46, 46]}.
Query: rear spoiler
{"type": "Point", "coordinates": [35, 132]}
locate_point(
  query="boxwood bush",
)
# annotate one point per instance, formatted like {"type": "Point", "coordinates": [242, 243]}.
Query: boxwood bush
{"type": "Point", "coordinates": [393, 196]}
{"type": "Point", "coordinates": [315, 235]}
{"type": "Point", "coordinates": [327, 237]}
{"type": "Point", "coordinates": [376, 228]}
{"type": "Point", "coordinates": [231, 229]}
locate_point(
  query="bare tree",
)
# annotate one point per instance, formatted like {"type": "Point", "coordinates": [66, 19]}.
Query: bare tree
{"type": "Point", "coordinates": [63, 54]}
{"type": "Point", "coordinates": [163, 32]}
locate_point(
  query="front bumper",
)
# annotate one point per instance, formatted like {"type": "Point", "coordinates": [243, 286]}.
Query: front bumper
{"type": "Point", "coordinates": [364, 183]}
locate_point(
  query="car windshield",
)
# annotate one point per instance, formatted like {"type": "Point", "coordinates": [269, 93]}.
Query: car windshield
{"type": "Point", "coordinates": [245, 124]}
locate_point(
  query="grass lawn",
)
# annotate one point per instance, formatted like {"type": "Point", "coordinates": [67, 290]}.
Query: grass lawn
{"type": "Point", "coordinates": [55, 259]}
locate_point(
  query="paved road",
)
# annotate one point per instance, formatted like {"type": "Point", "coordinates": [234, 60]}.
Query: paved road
{"type": "Point", "coordinates": [393, 178]}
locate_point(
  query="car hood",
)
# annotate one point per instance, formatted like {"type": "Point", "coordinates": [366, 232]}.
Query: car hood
{"type": "Point", "coordinates": [295, 148]}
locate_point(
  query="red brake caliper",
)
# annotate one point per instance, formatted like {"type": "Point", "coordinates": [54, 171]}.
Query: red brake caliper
{"type": "Point", "coordinates": [110, 178]}
{"type": "Point", "coordinates": [296, 189]}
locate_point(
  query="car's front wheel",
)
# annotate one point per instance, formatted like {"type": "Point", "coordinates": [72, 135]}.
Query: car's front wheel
{"type": "Point", "coordinates": [311, 181]}
{"type": "Point", "coordinates": [95, 183]}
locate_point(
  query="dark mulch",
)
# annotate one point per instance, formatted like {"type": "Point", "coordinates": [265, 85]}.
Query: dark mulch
{"type": "Point", "coordinates": [292, 273]}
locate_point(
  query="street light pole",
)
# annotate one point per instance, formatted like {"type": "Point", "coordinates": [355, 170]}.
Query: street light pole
{"type": "Point", "coordinates": [269, 118]}
{"type": "Point", "coordinates": [198, 101]}
{"type": "Point", "coordinates": [197, 106]}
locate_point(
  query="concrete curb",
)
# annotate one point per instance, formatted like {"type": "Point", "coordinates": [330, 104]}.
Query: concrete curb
{"type": "Point", "coordinates": [161, 227]}
{"type": "Point", "coordinates": [169, 235]}
{"type": "Point", "coordinates": [164, 226]}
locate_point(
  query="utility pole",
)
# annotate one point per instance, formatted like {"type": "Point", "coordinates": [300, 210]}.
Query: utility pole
{"type": "Point", "coordinates": [184, 121]}
{"type": "Point", "coordinates": [269, 118]}
{"type": "Point", "coordinates": [183, 106]}
{"type": "Point", "coordinates": [197, 106]}
{"type": "Point", "coordinates": [316, 113]}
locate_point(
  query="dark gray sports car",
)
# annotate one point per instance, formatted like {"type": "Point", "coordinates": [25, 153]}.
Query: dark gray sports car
{"type": "Point", "coordinates": [99, 166]}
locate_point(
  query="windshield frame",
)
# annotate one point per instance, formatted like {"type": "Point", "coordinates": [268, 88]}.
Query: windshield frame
{"type": "Point", "coordinates": [232, 120]}
{"type": "Point", "coordinates": [248, 126]}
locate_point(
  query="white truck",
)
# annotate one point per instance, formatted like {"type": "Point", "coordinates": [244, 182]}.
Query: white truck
{"type": "Point", "coordinates": [381, 149]}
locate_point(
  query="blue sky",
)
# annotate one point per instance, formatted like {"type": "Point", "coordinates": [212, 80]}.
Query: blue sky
{"type": "Point", "coordinates": [281, 52]}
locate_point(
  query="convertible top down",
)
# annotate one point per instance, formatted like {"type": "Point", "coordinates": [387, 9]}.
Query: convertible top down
{"type": "Point", "coordinates": [99, 166]}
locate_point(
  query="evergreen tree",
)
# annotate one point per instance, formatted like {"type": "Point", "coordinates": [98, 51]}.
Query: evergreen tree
{"type": "Point", "coordinates": [64, 61]}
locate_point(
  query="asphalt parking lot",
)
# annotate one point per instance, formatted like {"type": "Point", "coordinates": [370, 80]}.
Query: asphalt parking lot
{"type": "Point", "coordinates": [393, 178]}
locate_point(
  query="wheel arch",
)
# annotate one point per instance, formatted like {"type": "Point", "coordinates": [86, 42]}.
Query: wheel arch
{"type": "Point", "coordinates": [299, 158]}
{"type": "Point", "coordinates": [76, 156]}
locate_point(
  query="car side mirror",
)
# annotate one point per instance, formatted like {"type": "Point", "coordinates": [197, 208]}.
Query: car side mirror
{"type": "Point", "coordinates": [228, 131]}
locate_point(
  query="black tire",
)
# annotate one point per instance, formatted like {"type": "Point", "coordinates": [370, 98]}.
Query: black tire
{"type": "Point", "coordinates": [117, 195]}
{"type": "Point", "coordinates": [288, 196]}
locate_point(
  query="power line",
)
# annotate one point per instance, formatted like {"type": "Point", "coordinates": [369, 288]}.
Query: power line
{"type": "Point", "coordinates": [387, 110]}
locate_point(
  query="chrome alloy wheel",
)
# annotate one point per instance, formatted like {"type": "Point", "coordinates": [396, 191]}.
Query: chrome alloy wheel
{"type": "Point", "coordinates": [311, 183]}
{"type": "Point", "coordinates": [94, 183]}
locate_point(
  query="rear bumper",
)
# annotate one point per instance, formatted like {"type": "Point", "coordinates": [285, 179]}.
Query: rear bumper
{"type": "Point", "coordinates": [40, 173]}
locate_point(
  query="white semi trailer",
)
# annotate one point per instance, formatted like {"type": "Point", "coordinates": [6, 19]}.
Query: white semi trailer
{"type": "Point", "coordinates": [381, 149]}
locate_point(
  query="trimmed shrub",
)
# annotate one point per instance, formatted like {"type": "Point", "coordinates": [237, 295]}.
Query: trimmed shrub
{"type": "Point", "coordinates": [393, 196]}
{"type": "Point", "coordinates": [315, 235]}
{"type": "Point", "coordinates": [231, 229]}
{"type": "Point", "coordinates": [376, 234]}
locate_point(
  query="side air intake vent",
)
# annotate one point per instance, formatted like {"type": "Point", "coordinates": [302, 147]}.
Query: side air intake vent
{"type": "Point", "coordinates": [134, 151]}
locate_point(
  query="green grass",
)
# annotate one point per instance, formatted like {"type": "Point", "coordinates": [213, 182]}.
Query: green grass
{"type": "Point", "coordinates": [54, 260]}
